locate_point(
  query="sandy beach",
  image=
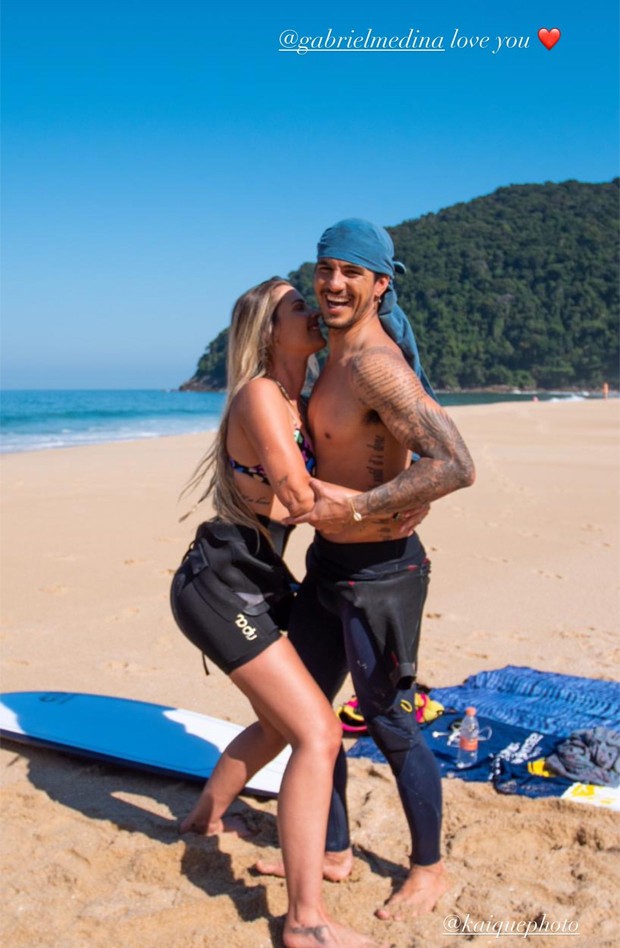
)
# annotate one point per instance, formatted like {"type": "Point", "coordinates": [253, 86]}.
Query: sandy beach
{"type": "Point", "coordinates": [525, 572]}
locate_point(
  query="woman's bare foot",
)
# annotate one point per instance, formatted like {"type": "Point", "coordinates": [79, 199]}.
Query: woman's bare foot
{"type": "Point", "coordinates": [419, 895]}
{"type": "Point", "coordinates": [326, 934]}
{"type": "Point", "coordinates": [194, 823]}
{"type": "Point", "coordinates": [336, 866]}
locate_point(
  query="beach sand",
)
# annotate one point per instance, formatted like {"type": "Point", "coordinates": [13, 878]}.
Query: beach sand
{"type": "Point", "coordinates": [525, 572]}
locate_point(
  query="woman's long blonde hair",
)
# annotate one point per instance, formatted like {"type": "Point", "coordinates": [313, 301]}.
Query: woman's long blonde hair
{"type": "Point", "coordinates": [250, 352]}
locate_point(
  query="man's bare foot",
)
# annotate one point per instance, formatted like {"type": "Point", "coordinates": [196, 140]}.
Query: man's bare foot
{"type": "Point", "coordinates": [336, 866]}
{"type": "Point", "coordinates": [228, 824]}
{"type": "Point", "coordinates": [325, 934]}
{"type": "Point", "coordinates": [419, 895]}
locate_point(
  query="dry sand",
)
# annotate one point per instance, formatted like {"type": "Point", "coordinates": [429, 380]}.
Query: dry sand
{"type": "Point", "coordinates": [525, 571]}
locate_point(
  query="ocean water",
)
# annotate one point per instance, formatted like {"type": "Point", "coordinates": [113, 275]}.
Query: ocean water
{"type": "Point", "coordinates": [38, 420]}
{"type": "Point", "coordinates": [41, 420]}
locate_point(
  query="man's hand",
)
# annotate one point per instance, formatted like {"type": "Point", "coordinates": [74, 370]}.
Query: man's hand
{"type": "Point", "coordinates": [333, 510]}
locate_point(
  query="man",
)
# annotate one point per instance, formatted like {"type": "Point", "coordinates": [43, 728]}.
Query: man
{"type": "Point", "coordinates": [360, 606]}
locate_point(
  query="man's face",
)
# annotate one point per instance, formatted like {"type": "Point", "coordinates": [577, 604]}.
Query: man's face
{"type": "Point", "coordinates": [346, 292]}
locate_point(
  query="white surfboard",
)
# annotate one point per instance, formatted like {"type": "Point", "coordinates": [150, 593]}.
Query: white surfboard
{"type": "Point", "coordinates": [152, 737]}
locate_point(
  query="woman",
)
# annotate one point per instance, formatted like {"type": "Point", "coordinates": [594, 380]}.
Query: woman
{"type": "Point", "coordinates": [231, 593]}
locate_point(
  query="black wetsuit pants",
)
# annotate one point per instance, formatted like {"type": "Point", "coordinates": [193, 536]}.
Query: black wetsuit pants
{"type": "Point", "coordinates": [339, 624]}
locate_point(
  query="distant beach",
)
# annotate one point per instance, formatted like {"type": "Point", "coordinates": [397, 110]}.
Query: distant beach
{"type": "Point", "coordinates": [38, 420]}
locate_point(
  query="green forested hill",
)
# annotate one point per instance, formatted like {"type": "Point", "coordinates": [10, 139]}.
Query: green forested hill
{"type": "Point", "coordinates": [517, 288]}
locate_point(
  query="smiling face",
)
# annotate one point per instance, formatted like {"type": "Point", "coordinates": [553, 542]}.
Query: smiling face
{"type": "Point", "coordinates": [346, 292]}
{"type": "Point", "coordinates": [296, 328]}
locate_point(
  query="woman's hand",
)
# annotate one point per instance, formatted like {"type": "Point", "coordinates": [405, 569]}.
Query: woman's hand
{"type": "Point", "coordinates": [332, 508]}
{"type": "Point", "coordinates": [408, 520]}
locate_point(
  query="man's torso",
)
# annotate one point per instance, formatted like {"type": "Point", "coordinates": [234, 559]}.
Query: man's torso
{"type": "Point", "coordinates": [353, 446]}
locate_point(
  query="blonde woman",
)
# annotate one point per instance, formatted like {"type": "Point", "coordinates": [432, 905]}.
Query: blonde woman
{"type": "Point", "coordinates": [231, 593]}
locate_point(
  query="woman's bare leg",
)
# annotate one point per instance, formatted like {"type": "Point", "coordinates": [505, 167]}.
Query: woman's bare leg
{"type": "Point", "coordinates": [248, 753]}
{"type": "Point", "coordinates": [251, 750]}
{"type": "Point", "coordinates": [284, 695]}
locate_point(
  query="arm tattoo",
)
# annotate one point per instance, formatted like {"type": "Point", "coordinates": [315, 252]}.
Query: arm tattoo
{"type": "Point", "coordinates": [384, 382]}
{"type": "Point", "coordinates": [259, 501]}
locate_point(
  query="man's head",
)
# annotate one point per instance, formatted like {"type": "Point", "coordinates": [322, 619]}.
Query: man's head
{"type": "Point", "coordinates": [355, 266]}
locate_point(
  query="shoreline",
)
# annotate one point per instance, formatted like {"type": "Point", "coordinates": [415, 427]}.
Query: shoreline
{"type": "Point", "coordinates": [590, 390]}
{"type": "Point", "coordinates": [587, 390]}
{"type": "Point", "coordinates": [83, 436]}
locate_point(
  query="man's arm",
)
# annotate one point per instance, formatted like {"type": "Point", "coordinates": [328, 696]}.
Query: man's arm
{"type": "Point", "coordinates": [383, 382]}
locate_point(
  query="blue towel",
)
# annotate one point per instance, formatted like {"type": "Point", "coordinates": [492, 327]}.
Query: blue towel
{"type": "Point", "coordinates": [398, 328]}
{"type": "Point", "coordinates": [529, 713]}
{"type": "Point", "coordinates": [505, 755]}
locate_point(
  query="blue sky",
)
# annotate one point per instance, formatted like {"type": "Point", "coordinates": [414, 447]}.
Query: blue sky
{"type": "Point", "coordinates": [161, 157]}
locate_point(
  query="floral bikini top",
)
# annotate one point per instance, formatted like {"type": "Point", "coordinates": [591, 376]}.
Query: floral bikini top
{"type": "Point", "coordinates": [257, 471]}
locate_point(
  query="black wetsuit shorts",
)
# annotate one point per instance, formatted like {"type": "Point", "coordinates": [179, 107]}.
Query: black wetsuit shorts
{"type": "Point", "coordinates": [232, 593]}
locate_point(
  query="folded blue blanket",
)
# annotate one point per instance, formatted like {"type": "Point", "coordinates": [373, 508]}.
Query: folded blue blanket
{"type": "Point", "coordinates": [542, 701]}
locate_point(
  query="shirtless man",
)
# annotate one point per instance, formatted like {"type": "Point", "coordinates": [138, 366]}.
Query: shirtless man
{"type": "Point", "coordinates": [360, 606]}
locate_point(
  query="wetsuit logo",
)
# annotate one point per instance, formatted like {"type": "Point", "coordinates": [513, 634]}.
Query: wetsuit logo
{"type": "Point", "coordinates": [248, 630]}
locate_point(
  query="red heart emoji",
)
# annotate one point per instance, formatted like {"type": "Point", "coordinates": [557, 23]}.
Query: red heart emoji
{"type": "Point", "coordinates": [549, 37]}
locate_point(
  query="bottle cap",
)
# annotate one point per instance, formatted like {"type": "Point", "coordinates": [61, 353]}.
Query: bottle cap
{"type": "Point", "coordinates": [471, 711]}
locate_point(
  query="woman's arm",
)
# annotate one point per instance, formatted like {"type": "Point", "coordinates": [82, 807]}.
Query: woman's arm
{"type": "Point", "coordinates": [263, 417]}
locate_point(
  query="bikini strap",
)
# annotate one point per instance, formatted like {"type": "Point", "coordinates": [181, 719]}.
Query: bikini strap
{"type": "Point", "coordinates": [296, 420]}
{"type": "Point", "coordinates": [283, 390]}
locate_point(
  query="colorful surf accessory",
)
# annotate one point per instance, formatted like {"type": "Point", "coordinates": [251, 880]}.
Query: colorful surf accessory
{"type": "Point", "coordinates": [351, 717]}
{"type": "Point", "coordinates": [353, 722]}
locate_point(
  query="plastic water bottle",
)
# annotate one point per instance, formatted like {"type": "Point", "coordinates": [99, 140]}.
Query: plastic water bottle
{"type": "Point", "coordinates": [468, 740]}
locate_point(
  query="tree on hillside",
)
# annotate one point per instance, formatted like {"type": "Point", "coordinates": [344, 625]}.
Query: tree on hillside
{"type": "Point", "coordinates": [518, 288]}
